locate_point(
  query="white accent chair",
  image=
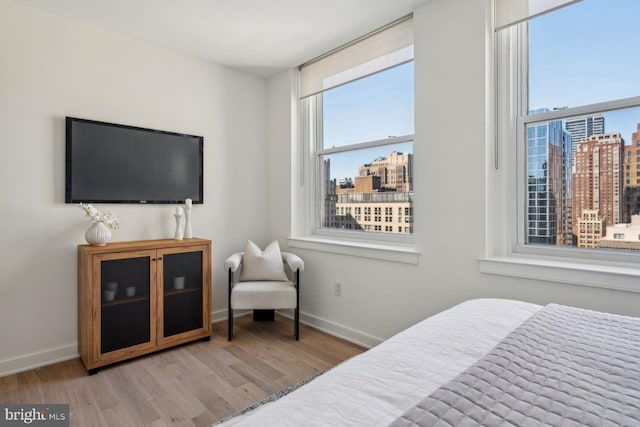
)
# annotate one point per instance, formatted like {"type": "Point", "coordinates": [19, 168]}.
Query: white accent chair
{"type": "Point", "coordinates": [262, 294]}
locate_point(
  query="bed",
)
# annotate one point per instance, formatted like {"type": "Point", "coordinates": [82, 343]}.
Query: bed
{"type": "Point", "coordinates": [409, 379]}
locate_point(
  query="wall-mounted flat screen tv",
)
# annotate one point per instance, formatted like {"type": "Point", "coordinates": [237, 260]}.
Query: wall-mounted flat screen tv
{"type": "Point", "coordinates": [111, 163]}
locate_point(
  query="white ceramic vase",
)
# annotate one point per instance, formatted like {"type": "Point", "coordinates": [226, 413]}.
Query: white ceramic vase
{"type": "Point", "coordinates": [98, 234]}
{"type": "Point", "coordinates": [179, 234]}
{"type": "Point", "coordinates": [188, 232]}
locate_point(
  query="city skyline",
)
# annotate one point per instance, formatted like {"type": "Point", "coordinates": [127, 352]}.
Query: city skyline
{"type": "Point", "coordinates": [369, 156]}
{"type": "Point", "coordinates": [582, 173]}
{"type": "Point", "coordinates": [379, 199]}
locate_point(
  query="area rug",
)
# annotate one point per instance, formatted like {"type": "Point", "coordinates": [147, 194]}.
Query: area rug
{"type": "Point", "coordinates": [269, 399]}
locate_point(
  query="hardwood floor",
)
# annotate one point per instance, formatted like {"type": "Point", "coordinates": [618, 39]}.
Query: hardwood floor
{"type": "Point", "coordinates": [192, 385]}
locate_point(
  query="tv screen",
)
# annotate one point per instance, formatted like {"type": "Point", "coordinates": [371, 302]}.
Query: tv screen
{"type": "Point", "coordinates": [111, 163]}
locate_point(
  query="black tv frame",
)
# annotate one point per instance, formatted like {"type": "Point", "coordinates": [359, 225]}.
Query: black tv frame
{"type": "Point", "coordinates": [68, 163]}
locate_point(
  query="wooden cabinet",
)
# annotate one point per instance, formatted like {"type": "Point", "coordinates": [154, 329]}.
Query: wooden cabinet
{"type": "Point", "coordinates": [138, 297]}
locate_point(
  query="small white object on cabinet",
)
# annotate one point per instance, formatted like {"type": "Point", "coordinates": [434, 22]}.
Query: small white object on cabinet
{"type": "Point", "coordinates": [179, 223]}
{"type": "Point", "coordinates": [188, 233]}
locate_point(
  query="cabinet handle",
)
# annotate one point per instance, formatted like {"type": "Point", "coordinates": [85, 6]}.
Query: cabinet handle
{"type": "Point", "coordinates": [160, 259]}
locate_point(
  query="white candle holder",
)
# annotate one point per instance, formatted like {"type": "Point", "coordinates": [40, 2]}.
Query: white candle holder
{"type": "Point", "coordinates": [188, 233]}
{"type": "Point", "coordinates": [179, 223]}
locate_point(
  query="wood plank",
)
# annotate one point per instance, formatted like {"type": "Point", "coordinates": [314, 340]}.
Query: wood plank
{"type": "Point", "coordinates": [51, 381]}
{"type": "Point", "coordinates": [204, 419]}
{"type": "Point", "coordinates": [29, 387]}
{"type": "Point", "coordinates": [130, 394]}
{"type": "Point", "coordinates": [83, 407]}
{"type": "Point", "coordinates": [219, 360]}
{"type": "Point", "coordinates": [8, 384]}
{"type": "Point", "coordinates": [255, 362]}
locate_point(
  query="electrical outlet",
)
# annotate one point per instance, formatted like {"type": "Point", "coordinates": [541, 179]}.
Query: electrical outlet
{"type": "Point", "coordinates": [338, 288]}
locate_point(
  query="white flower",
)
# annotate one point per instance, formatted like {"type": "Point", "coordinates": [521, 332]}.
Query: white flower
{"type": "Point", "coordinates": [108, 217]}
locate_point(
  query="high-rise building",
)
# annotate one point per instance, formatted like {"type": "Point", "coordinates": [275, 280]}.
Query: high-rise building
{"type": "Point", "coordinates": [583, 127]}
{"type": "Point", "coordinates": [329, 207]}
{"type": "Point", "coordinates": [548, 151]}
{"type": "Point", "coordinates": [379, 199]}
{"type": "Point", "coordinates": [597, 177]}
{"type": "Point", "coordinates": [579, 128]}
{"type": "Point", "coordinates": [631, 191]}
{"type": "Point", "coordinates": [395, 171]}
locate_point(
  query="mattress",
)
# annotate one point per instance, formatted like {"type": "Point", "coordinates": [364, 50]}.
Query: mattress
{"type": "Point", "coordinates": [564, 366]}
{"type": "Point", "coordinates": [376, 387]}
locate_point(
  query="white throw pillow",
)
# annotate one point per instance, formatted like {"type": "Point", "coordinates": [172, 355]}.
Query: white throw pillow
{"type": "Point", "coordinates": [260, 265]}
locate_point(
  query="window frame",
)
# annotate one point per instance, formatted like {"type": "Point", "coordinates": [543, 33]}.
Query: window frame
{"type": "Point", "coordinates": [308, 233]}
{"type": "Point", "coordinates": [506, 252]}
{"type": "Point", "coordinates": [311, 107]}
{"type": "Point", "coordinates": [519, 98]}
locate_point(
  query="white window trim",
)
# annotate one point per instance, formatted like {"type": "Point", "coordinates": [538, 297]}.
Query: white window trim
{"type": "Point", "coordinates": [505, 251]}
{"type": "Point", "coordinates": [363, 249]}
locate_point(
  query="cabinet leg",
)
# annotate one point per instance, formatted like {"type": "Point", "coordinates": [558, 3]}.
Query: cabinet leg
{"type": "Point", "coordinates": [93, 371]}
{"type": "Point", "coordinates": [206, 339]}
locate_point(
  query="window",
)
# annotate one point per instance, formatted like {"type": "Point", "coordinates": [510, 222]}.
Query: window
{"type": "Point", "coordinates": [576, 91]}
{"type": "Point", "coordinates": [358, 125]}
{"type": "Point", "coordinates": [388, 216]}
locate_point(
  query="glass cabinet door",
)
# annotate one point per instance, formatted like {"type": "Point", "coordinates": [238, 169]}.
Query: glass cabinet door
{"type": "Point", "coordinates": [182, 297]}
{"type": "Point", "coordinates": [127, 301]}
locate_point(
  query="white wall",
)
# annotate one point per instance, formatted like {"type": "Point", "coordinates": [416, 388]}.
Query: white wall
{"type": "Point", "coordinates": [381, 297]}
{"type": "Point", "coordinates": [52, 67]}
{"type": "Point", "coordinates": [280, 127]}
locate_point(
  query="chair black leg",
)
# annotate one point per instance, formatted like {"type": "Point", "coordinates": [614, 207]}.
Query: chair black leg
{"type": "Point", "coordinates": [230, 315]}
{"type": "Point", "coordinates": [297, 311]}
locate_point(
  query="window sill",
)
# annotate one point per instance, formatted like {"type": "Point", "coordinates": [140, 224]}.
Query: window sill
{"type": "Point", "coordinates": [381, 251]}
{"type": "Point", "coordinates": [609, 276]}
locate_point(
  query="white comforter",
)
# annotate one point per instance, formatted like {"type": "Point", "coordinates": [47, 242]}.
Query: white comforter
{"type": "Point", "coordinates": [376, 387]}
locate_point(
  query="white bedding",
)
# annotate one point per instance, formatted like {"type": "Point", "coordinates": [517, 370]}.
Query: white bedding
{"type": "Point", "coordinates": [376, 387]}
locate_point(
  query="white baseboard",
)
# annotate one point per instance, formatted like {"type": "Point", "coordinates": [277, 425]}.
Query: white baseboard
{"type": "Point", "coordinates": [220, 315]}
{"type": "Point", "coordinates": [340, 331]}
{"type": "Point", "coordinates": [331, 328]}
{"type": "Point", "coordinates": [36, 360]}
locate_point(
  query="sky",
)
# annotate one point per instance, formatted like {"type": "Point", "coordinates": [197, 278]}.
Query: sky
{"type": "Point", "coordinates": [586, 53]}
{"type": "Point", "coordinates": [369, 109]}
